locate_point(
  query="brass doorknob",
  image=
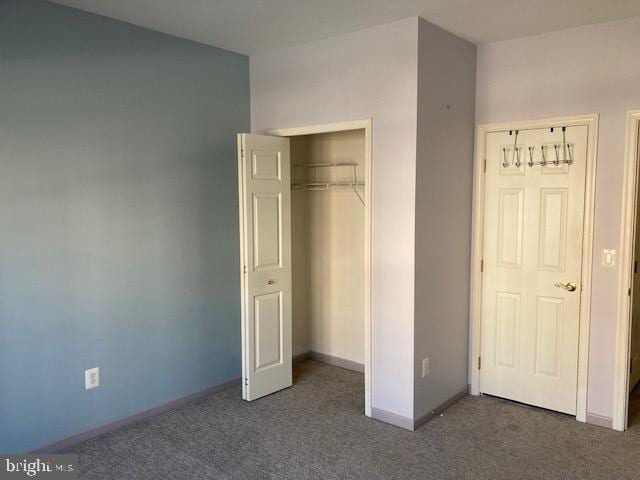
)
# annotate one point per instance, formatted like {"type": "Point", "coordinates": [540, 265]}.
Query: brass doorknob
{"type": "Point", "coordinates": [569, 287]}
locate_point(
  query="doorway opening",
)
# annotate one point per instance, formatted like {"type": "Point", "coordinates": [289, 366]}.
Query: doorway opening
{"type": "Point", "coordinates": [626, 410]}
{"type": "Point", "coordinates": [327, 238]}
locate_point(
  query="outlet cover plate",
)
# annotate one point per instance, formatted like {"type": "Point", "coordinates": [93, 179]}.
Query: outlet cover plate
{"type": "Point", "coordinates": [91, 378]}
{"type": "Point", "coordinates": [425, 367]}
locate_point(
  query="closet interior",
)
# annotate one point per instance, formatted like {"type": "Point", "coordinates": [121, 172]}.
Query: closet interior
{"type": "Point", "coordinates": [327, 230]}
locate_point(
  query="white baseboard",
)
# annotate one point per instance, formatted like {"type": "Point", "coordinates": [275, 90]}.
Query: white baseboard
{"type": "Point", "coordinates": [330, 360]}
{"type": "Point", "coordinates": [392, 418]}
{"type": "Point", "coordinates": [599, 420]}
{"type": "Point", "coordinates": [337, 361]}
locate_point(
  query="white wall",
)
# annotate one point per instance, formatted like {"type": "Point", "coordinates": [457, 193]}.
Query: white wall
{"type": "Point", "coordinates": [446, 103]}
{"type": "Point", "coordinates": [369, 73]}
{"type": "Point", "coordinates": [592, 69]}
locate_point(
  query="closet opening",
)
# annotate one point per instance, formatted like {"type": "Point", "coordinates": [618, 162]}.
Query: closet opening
{"type": "Point", "coordinates": [327, 250]}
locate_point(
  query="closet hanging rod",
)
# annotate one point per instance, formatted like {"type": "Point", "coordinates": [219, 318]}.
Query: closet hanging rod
{"type": "Point", "coordinates": [327, 184]}
{"type": "Point", "coordinates": [340, 164]}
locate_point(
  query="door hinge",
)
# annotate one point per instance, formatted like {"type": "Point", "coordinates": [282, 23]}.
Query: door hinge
{"type": "Point", "coordinates": [629, 292]}
{"type": "Point", "coordinates": [481, 265]}
{"type": "Point", "coordinates": [479, 363]}
{"type": "Point", "coordinates": [246, 381]}
{"type": "Point", "coordinates": [244, 269]}
{"type": "Point", "coordinates": [484, 167]}
{"type": "Point", "coordinates": [242, 152]}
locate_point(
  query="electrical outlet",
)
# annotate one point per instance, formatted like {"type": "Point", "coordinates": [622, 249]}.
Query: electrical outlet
{"type": "Point", "coordinates": [425, 367]}
{"type": "Point", "coordinates": [91, 378]}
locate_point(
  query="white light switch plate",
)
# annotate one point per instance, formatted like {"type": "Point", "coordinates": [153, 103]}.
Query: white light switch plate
{"type": "Point", "coordinates": [608, 258]}
{"type": "Point", "coordinates": [91, 378]}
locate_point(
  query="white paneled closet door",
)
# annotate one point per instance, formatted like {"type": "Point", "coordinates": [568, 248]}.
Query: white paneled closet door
{"type": "Point", "coordinates": [533, 232]}
{"type": "Point", "coordinates": [265, 234]}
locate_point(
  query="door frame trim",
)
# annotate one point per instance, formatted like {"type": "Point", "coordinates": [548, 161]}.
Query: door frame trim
{"type": "Point", "coordinates": [367, 126]}
{"type": "Point", "coordinates": [591, 121]}
{"type": "Point", "coordinates": [628, 230]}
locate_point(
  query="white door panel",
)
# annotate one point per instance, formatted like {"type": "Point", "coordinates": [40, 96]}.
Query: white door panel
{"type": "Point", "coordinates": [532, 242]}
{"type": "Point", "coordinates": [265, 231]}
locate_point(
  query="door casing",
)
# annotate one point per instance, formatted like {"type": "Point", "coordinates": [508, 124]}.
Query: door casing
{"type": "Point", "coordinates": [628, 230]}
{"type": "Point", "coordinates": [367, 126]}
{"type": "Point", "coordinates": [475, 334]}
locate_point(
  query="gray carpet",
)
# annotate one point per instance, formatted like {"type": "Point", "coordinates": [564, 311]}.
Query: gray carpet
{"type": "Point", "coordinates": [316, 430]}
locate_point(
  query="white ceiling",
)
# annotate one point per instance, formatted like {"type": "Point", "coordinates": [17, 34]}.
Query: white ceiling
{"type": "Point", "coordinates": [255, 26]}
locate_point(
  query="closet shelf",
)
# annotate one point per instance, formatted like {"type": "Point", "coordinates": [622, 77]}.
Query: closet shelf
{"type": "Point", "coordinates": [328, 185]}
{"type": "Point", "coordinates": [324, 185]}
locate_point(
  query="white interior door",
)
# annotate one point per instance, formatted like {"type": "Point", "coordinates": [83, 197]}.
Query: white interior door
{"type": "Point", "coordinates": [265, 233]}
{"type": "Point", "coordinates": [533, 229]}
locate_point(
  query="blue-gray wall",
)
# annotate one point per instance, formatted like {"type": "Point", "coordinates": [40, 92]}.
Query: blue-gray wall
{"type": "Point", "coordinates": [118, 219]}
